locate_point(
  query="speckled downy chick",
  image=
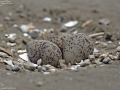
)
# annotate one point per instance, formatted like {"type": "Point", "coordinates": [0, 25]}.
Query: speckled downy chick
{"type": "Point", "coordinates": [78, 47]}
{"type": "Point", "coordinates": [56, 37]}
{"type": "Point", "coordinates": [45, 50]}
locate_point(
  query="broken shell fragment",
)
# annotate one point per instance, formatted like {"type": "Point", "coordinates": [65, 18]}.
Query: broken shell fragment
{"type": "Point", "coordinates": [9, 62]}
{"type": "Point", "coordinates": [30, 66]}
{"type": "Point", "coordinates": [21, 51]}
{"type": "Point", "coordinates": [24, 56]}
{"type": "Point", "coordinates": [71, 24]}
{"type": "Point", "coordinates": [11, 44]}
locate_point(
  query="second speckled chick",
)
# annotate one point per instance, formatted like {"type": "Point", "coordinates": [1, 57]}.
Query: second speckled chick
{"type": "Point", "coordinates": [78, 47]}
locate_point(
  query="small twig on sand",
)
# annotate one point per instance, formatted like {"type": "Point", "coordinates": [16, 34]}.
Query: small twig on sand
{"type": "Point", "coordinates": [96, 34]}
{"type": "Point", "coordinates": [6, 51]}
{"type": "Point", "coordinates": [86, 23]}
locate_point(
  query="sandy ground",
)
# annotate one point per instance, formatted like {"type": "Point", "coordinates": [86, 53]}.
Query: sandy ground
{"type": "Point", "coordinates": [100, 78]}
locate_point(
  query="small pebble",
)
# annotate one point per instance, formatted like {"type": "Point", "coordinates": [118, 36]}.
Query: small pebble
{"type": "Point", "coordinates": [20, 9]}
{"type": "Point", "coordinates": [98, 37]}
{"type": "Point", "coordinates": [119, 56]}
{"type": "Point", "coordinates": [7, 19]}
{"type": "Point", "coordinates": [104, 21]}
{"type": "Point", "coordinates": [26, 35]}
{"type": "Point", "coordinates": [109, 42]}
{"type": "Point", "coordinates": [16, 68]}
{"type": "Point", "coordinates": [108, 36]}
{"type": "Point", "coordinates": [11, 35]}
{"type": "Point", "coordinates": [24, 28]}
{"type": "Point", "coordinates": [97, 55]}
{"type": "Point", "coordinates": [74, 32]}
{"type": "Point", "coordinates": [48, 67]}
{"type": "Point", "coordinates": [85, 63]}
{"type": "Point", "coordinates": [96, 50]}
{"type": "Point", "coordinates": [74, 67]}
{"type": "Point", "coordinates": [9, 68]}
{"type": "Point", "coordinates": [39, 62]}
{"type": "Point", "coordinates": [63, 29]}
{"type": "Point", "coordinates": [47, 19]}
{"type": "Point", "coordinates": [2, 54]}
{"type": "Point", "coordinates": [15, 25]}
{"type": "Point", "coordinates": [52, 70]}
{"type": "Point", "coordinates": [8, 73]}
{"type": "Point", "coordinates": [10, 13]}
{"type": "Point", "coordinates": [41, 69]}
{"type": "Point", "coordinates": [46, 73]}
{"type": "Point", "coordinates": [91, 57]}
{"type": "Point", "coordinates": [104, 45]}
{"type": "Point", "coordinates": [30, 66]}
{"type": "Point", "coordinates": [106, 60]}
{"type": "Point", "coordinates": [96, 43]}
{"type": "Point", "coordinates": [118, 49]}
{"type": "Point", "coordinates": [12, 40]}
{"type": "Point", "coordinates": [12, 50]}
{"type": "Point", "coordinates": [59, 20]}
{"type": "Point", "coordinates": [1, 25]}
{"type": "Point", "coordinates": [39, 84]}
{"type": "Point", "coordinates": [34, 33]}
{"type": "Point", "coordinates": [22, 15]}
